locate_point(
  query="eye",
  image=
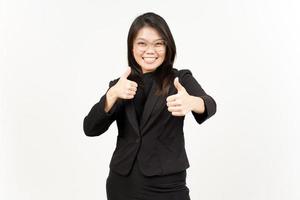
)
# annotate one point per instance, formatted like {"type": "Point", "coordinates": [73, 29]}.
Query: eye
{"type": "Point", "coordinates": [141, 43]}
{"type": "Point", "coordinates": [159, 44]}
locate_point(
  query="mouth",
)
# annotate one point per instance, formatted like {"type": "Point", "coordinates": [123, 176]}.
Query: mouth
{"type": "Point", "coordinates": [149, 60]}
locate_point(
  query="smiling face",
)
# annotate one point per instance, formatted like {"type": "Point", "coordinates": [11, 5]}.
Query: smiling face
{"type": "Point", "coordinates": [149, 49]}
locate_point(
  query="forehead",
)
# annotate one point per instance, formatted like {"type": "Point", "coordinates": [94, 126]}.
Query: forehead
{"type": "Point", "coordinates": [148, 33]}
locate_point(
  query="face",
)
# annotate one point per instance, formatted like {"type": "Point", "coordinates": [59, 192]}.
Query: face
{"type": "Point", "coordinates": [149, 49]}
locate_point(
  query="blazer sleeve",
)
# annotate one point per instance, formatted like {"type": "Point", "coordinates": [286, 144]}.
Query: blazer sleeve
{"type": "Point", "coordinates": [98, 121]}
{"type": "Point", "coordinates": [194, 88]}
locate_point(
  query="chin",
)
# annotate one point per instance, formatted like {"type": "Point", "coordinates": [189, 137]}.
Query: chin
{"type": "Point", "coordinates": [149, 66]}
{"type": "Point", "coordinates": [152, 66]}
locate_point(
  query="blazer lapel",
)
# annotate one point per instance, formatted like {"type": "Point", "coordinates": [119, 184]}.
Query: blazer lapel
{"type": "Point", "coordinates": [149, 104]}
{"type": "Point", "coordinates": [131, 115]}
{"type": "Point", "coordinates": [153, 103]}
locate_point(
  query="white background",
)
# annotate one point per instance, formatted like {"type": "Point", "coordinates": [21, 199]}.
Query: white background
{"type": "Point", "coordinates": [58, 56]}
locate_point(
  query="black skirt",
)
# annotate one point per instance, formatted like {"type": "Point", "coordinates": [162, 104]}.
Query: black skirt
{"type": "Point", "coordinates": [136, 186]}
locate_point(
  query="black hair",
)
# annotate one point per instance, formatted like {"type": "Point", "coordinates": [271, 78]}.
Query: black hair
{"type": "Point", "coordinates": [163, 74]}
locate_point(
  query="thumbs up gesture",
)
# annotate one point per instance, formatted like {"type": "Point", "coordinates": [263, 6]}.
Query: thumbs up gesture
{"type": "Point", "coordinates": [179, 104]}
{"type": "Point", "coordinates": [124, 88]}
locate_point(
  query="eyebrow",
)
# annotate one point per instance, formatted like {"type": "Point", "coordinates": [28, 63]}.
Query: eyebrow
{"type": "Point", "coordinates": [146, 40]}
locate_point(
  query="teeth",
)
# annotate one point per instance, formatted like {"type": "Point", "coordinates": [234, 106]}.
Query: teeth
{"type": "Point", "coordinates": [149, 60]}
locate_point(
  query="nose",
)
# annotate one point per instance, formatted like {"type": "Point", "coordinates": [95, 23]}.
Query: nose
{"type": "Point", "coordinates": [150, 51]}
{"type": "Point", "coordinates": [150, 48]}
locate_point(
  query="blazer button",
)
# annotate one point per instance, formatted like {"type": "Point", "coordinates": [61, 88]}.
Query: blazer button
{"type": "Point", "coordinates": [137, 140]}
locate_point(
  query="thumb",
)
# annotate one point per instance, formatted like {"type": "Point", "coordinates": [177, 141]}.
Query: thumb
{"type": "Point", "coordinates": [177, 84]}
{"type": "Point", "coordinates": [126, 73]}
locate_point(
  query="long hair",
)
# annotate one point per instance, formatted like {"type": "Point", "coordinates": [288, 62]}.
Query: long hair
{"type": "Point", "coordinates": [163, 74]}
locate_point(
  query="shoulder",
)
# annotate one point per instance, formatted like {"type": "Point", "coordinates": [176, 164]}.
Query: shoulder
{"type": "Point", "coordinates": [182, 73]}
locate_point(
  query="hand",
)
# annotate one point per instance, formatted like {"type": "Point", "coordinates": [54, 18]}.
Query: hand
{"type": "Point", "coordinates": [179, 104]}
{"type": "Point", "coordinates": [124, 88]}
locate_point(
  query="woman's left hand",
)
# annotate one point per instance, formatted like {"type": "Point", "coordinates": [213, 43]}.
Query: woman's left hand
{"type": "Point", "coordinates": [181, 103]}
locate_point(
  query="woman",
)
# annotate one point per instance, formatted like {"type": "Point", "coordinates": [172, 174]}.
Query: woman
{"type": "Point", "coordinates": [149, 102]}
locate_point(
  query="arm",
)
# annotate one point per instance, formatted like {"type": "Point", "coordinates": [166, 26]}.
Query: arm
{"type": "Point", "coordinates": [102, 114]}
{"type": "Point", "coordinates": [204, 106]}
{"type": "Point", "coordinates": [197, 104]}
{"type": "Point", "coordinates": [111, 99]}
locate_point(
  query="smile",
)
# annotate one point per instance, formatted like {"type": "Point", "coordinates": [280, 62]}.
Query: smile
{"type": "Point", "coordinates": [150, 57]}
{"type": "Point", "coordinates": [149, 60]}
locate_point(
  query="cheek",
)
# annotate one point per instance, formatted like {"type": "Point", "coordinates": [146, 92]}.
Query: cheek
{"type": "Point", "coordinates": [136, 54]}
{"type": "Point", "coordinates": [162, 56]}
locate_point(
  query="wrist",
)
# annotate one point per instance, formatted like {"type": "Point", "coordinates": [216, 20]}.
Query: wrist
{"type": "Point", "coordinates": [111, 94]}
{"type": "Point", "coordinates": [197, 104]}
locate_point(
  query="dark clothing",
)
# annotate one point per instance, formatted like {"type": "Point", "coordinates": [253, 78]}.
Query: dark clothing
{"type": "Point", "coordinates": [150, 143]}
{"type": "Point", "coordinates": [156, 137]}
{"type": "Point", "coordinates": [136, 186]}
{"type": "Point", "coordinates": [142, 93]}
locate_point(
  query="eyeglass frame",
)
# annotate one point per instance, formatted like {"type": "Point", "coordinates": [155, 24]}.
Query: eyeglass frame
{"type": "Point", "coordinates": [150, 44]}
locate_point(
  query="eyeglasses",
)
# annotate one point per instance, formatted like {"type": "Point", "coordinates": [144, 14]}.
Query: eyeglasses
{"type": "Point", "coordinates": [143, 45]}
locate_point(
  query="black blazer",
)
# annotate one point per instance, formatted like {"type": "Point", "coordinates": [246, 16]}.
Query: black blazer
{"type": "Point", "coordinates": [158, 142]}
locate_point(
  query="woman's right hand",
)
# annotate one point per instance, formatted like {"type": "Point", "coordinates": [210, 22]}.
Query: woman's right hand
{"type": "Point", "coordinates": [124, 88]}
